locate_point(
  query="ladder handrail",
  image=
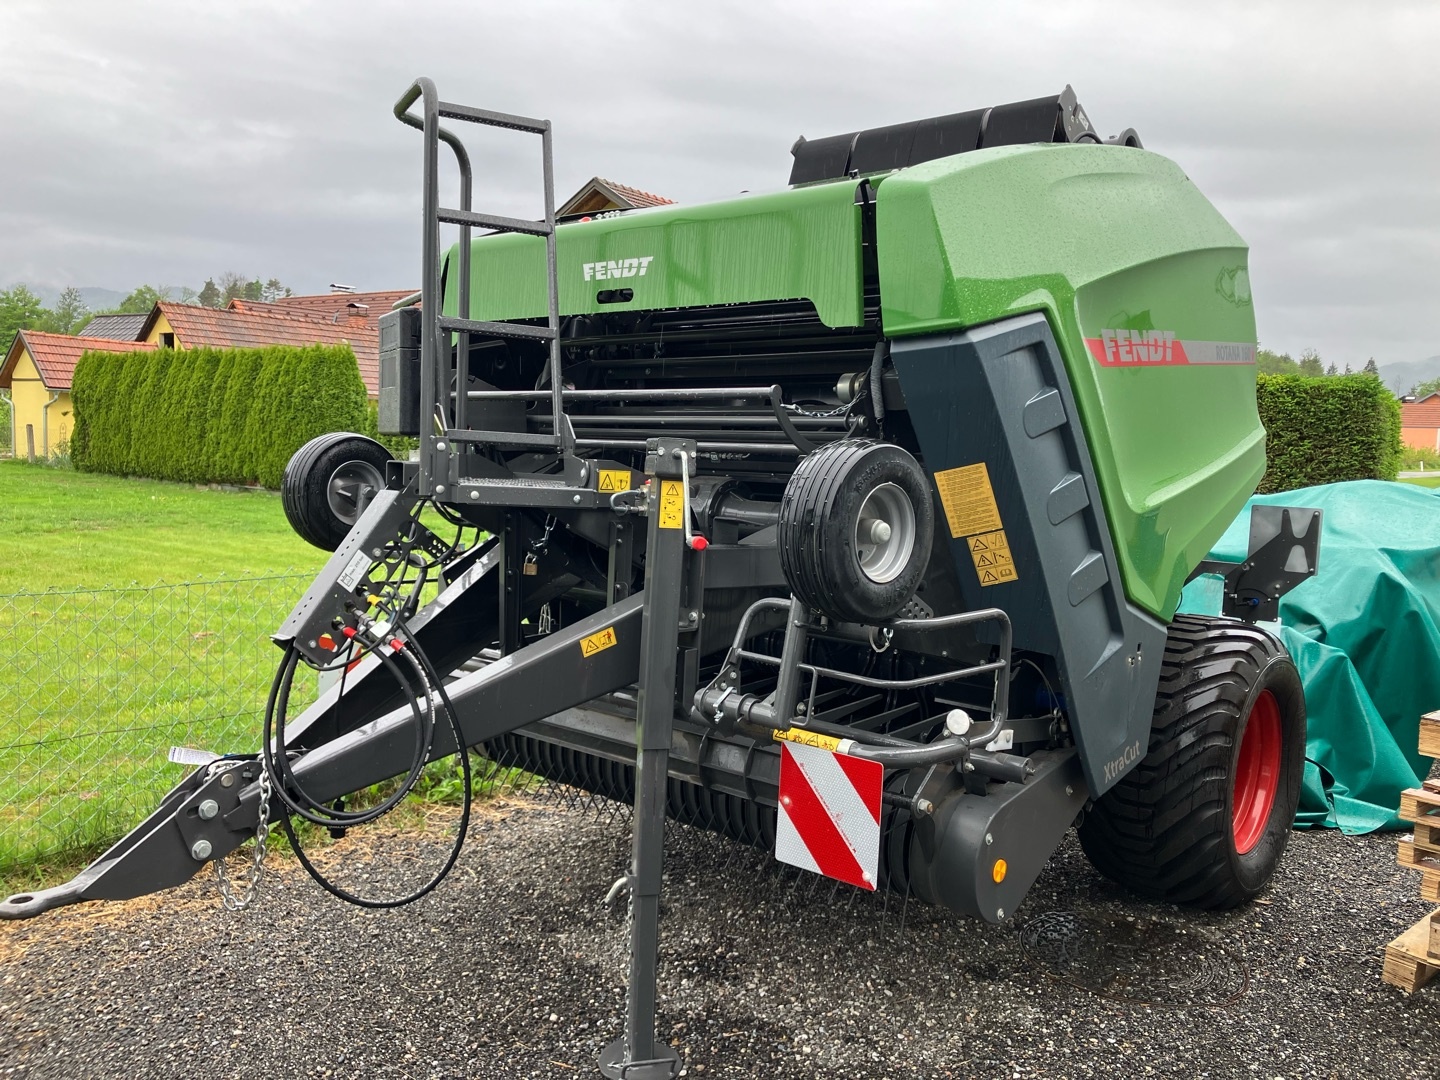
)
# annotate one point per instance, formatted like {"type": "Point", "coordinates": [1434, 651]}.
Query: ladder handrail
{"type": "Point", "coordinates": [435, 343]}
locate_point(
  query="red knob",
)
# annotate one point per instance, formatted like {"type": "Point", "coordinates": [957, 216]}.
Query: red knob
{"type": "Point", "coordinates": [698, 543]}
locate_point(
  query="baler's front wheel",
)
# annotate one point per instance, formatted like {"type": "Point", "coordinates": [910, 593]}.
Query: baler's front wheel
{"type": "Point", "coordinates": [1204, 818]}
{"type": "Point", "coordinates": [327, 484]}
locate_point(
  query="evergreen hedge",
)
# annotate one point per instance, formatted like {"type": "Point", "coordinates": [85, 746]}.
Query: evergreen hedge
{"type": "Point", "coordinates": [211, 415]}
{"type": "Point", "coordinates": [1325, 430]}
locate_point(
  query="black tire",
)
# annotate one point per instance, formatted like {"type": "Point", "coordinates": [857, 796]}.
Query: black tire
{"type": "Point", "coordinates": [323, 489]}
{"type": "Point", "coordinates": [827, 563]}
{"type": "Point", "coordinates": [1167, 830]}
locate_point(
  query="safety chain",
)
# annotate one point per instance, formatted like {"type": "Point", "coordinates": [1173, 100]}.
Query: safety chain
{"type": "Point", "coordinates": [240, 901]}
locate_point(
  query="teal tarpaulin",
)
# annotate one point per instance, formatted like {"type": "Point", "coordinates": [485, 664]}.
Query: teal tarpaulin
{"type": "Point", "coordinates": [1365, 634]}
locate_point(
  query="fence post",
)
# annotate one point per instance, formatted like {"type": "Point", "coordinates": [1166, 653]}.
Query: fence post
{"type": "Point", "coordinates": [30, 441]}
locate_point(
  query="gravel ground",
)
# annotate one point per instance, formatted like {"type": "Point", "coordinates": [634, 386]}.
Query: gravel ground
{"type": "Point", "coordinates": [513, 969]}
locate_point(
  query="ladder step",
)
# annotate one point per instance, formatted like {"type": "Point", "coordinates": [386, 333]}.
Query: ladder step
{"type": "Point", "coordinates": [493, 119]}
{"type": "Point", "coordinates": [497, 329]}
{"type": "Point", "coordinates": [493, 221]}
{"type": "Point", "coordinates": [505, 438]}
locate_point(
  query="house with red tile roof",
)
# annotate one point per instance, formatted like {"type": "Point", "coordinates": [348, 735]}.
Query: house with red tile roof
{"type": "Point", "coordinates": [599, 196]}
{"type": "Point", "coordinates": [37, 373]}
{"type": "Point", "coordinates": [331, 319]}
{"type": "Point", "coordinates": [1420, 422]}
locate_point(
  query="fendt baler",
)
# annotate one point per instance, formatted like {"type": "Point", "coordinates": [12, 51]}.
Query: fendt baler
{"type": "Point", "coordinates": [850, 519]}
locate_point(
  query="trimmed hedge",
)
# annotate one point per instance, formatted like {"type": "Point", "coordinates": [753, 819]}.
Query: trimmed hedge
{"type": "Point", "coordinates": [1325, 430]}
{"type": "Point", "coordinates": [231, 416]}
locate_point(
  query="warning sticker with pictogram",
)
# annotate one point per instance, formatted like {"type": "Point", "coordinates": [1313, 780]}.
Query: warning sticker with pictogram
{"type": "Point", "coordinates": [990, 552]}
{"type": "Point", "coordinates": [829, 820]}
{"type": "Point", "coordinates": [672, 504]}
{"type": "Point", "coordinates": [598, 641]}
{"type": "Point", "coordinates": [968, 499]}
{"type": "Point", "coordinates": [809, 738]}
{"type": "Point", "coordinates": [614, 480]}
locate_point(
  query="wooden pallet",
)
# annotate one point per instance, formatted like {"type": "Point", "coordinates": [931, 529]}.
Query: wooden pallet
{"type": "Point", "coordinates": [1430, 735]}
{"type": "Point", "coordinates": [1413, 959]}
{"type": "Point", "coordinates": [1421, 805]}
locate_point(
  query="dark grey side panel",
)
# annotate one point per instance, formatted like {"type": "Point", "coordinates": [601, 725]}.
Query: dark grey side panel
{"type": "Point", "coordinates": [999, 394]}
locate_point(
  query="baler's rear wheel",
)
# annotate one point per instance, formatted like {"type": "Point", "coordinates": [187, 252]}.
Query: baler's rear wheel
{"type": "Point", "coordinates": [1204, 818]}
{"type": "Point", "coordinates": [855, 531]}
{"type": "Point", "coordinates": [327, 484]}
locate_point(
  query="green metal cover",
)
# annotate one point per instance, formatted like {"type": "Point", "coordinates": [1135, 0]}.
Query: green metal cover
{"type": "Point", "coordinates": [1147, 290]}
{"type": "Point", "coordinates": [1144, 284]}
{"type": "Point", "coordinates": [790, 245]}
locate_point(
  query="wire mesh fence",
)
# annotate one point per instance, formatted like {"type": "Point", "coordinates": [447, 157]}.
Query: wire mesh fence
{"type": "Point", "coordinates": [100, 683]}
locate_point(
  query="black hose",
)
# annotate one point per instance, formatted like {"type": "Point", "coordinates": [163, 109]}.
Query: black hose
{"type": "Point", "coordinates": [430, 679]}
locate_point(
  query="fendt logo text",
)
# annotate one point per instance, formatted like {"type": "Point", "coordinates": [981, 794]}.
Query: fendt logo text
{"type": "Point", "coordinates": [1139, 346]}
{"type": "Point", "coordinates": [619, 268]}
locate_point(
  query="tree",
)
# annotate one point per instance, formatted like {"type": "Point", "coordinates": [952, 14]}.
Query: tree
{"type": "Point", "coordinates": [1310, 364]}
{"type": "Point", "coordinates": [255, 290]}
{"type": "Point", "coordinates": [1347, 368]}
{"type": "Point", "coordinates": [1424, 389]}
{"type": "Point", "coordinates": [69, 314]}
{"type": "Point", "coordinates": [143, 299]}
{"type": "Point", "coordinates": [1332, 369]}
{"type": "Point", "coordinates": [274, 291]}
{"type": "Point", "coordinates": [1371, 368]}
{"type": "Point", "coordinates": [232, 287]}
{"type": "Point", "coordinates": [209, 295]}
{"type": "Point", "coordinates": [1272, 363]}
{"type": "Point", "coordinates": [20, 309]}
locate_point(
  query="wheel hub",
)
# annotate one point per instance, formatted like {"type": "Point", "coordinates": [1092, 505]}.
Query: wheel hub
{"type": "Point", "coordinates": [885, 533]}
{"type": "Point", "coordinates": [350, 487]}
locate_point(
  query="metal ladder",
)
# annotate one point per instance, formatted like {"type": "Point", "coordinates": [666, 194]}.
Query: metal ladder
{"type": "Point", "coordinates": [437, 372]}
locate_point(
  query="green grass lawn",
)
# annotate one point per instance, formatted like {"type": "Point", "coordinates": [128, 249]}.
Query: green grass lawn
{"type": "Point", "coordinates": [105, 670]}
{"type": "Point", "coordinates": [1422, 481]}
{"type": "Point", "coordinates": [65, 529]}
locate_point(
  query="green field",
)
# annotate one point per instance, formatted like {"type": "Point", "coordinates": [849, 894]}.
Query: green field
{"type": "Point", "coordinates": [1422, 481]}
{"type": "Point", "coordinates": [137, 615]}
{"type": "Point", "coordinates": [64, 529]}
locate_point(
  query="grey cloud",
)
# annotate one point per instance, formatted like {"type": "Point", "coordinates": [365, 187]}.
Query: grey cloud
{"type": "Point", "coordinates": [164, 142]}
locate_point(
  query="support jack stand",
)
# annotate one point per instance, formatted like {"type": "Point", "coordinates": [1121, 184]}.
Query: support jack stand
{"type": "Point", "coordinates": [637, 1056]}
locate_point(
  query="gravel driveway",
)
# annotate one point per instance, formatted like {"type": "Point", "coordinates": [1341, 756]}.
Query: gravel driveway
{"type": "Point", "coordinates": [513, 969]}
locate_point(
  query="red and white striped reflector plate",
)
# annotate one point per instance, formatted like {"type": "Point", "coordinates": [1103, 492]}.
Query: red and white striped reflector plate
{"type": "Point", "coordinates": [830, 813]}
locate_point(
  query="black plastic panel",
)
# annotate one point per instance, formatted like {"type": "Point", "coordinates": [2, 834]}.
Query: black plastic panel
{"type": "Point", "coordinates": [1000, 395]}
{"type": "Point", "coordinates": [1058, 118]}
{"type": "Point", "coordinates": [1023, 122]}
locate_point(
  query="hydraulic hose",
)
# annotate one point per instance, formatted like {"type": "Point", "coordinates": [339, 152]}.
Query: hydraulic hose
{"type": "Point", "coordinates": [295, 799]}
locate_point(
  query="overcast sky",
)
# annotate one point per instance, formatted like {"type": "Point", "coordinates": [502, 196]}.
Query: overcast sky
{"type": "Point", "coordinates": [167, 142]}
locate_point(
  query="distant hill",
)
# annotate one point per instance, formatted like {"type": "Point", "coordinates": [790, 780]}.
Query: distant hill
{"type": "Point", "coordinates": [1402, 376]}
{"type": "Point", "coordinates": [96, 298]}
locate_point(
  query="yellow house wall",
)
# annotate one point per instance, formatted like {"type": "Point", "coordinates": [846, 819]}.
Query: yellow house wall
{"type": "Point", "coordinates": [162, 326]}
{"type": "Point", "coordinates": [29, 397]}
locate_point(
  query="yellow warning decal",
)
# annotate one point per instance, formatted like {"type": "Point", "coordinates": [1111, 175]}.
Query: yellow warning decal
{"type": "Point", "coordinates": [991, 555]}
{"type": "Point", "coordinates": [809, 738]}
{"type": "Point", "coordinates": [597, 642]}
{"type": "Point", "coordinates": [614, 480]}
{"type": "Point", "coordinates": [968, 499]}
{"type": "Point", "coordinates": [672, 504]}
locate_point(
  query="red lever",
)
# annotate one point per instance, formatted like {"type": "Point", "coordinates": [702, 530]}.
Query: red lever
{"type": "Point", "coordinates": [698, 543]}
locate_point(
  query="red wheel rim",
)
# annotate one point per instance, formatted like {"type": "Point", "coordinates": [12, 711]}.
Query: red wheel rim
{"type": "Point", "coordinates": [1257, 773]}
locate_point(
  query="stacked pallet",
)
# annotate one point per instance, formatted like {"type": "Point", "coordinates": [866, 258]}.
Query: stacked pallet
{"type": "Point", "coordinates": [1413, 959]}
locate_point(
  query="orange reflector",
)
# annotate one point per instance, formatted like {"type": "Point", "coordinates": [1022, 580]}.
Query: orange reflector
{"type": "Point", "coordinates": [998, 871]}
{"type": "Point", "coordinates": [327, 642]}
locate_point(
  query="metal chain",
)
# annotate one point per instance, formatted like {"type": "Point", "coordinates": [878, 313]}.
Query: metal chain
{"type": "Point", "coordinates": [232, 900]}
